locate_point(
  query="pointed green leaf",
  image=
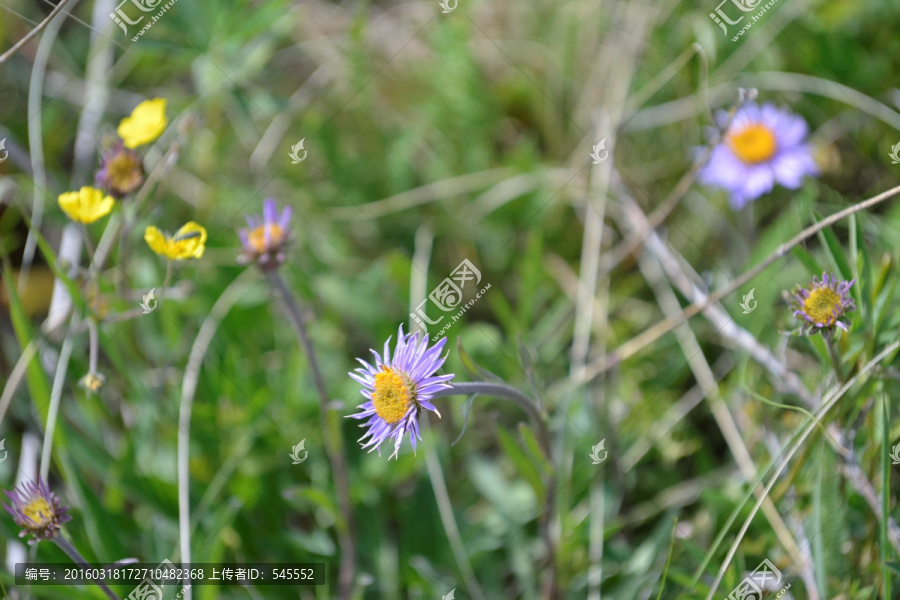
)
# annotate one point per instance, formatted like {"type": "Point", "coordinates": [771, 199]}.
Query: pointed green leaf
{"type": "Point", "coordinates": [464, 409]}
{"type": "Point", "coordinates": [534, 448]}
{"type": "Point", "coordinates": [472, 367]}
{"type": "Point", "coordinates": [35, 377]}
{"type": "Point", "coordinates": [807, 259]}
{"type": "Point", "coordinates": [835, 251]}
{"type": "Point", "coordinates": [524, 464]}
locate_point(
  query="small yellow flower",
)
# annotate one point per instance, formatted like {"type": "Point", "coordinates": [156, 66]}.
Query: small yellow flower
{"type": "Point", "coordinates": [188, 242]}
{"type": "Point", "coordinates": [146, 123]}
{"type": "Point", "coordinates": [86, 205]}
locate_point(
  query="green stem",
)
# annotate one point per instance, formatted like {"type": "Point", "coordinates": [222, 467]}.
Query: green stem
{"type": "Point", "coordinates": [165, 286]}
{"type": "Point", "coordinates": [501, 390]}
{"type": "Point", "coordinates": [332, 433]}
{"type": "Point", "coordinates": [69, 549]}
{"type": "Point", "coordinates": [94, 347]}
{"type": "Point", "coordinates": [835, 358]}
{"type": "Point", "coordinates": [506, 392]}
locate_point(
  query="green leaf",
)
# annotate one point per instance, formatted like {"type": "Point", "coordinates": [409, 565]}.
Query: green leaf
{"type": "Point", "coordinates": [95, 519]}
{"type": "Point", "coordinates": [807, 259]}
{"type": "Point", "coordinates": [524, 464]}
{"type": "Point", "coordinates": [464, 409]}
{"type": "Point", "coordinates": [884, 300]}
{"type": "Point", "coordinates": [530, 270]}
{"type": "Point", "coordinates": [35, 377]}
{"type": "Point", "coordinates": [835, 251]}
{"type": "Point", "coordinates": [472, 367]}
{"type": "Point", "coordinates": [534, 448]}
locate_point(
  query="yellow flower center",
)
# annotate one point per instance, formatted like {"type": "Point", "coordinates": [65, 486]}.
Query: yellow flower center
{"type": "Point", "coordinates": [391, 397]}
{"type": "Point", "coordinates": [822, 305]}
{"type": "Point", "coordinates": [753, 144]}
{"type": "Point", "coordinates": [257, 237]}
{"type": "Point", "coordinates": [39, 511]}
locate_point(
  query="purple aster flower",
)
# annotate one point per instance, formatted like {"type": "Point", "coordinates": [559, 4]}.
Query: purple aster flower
{"type": "Point", "coordinates": [265, 238]}
{"type": "Point", "coordinates": [763, 146]}
{"type": "Point", "coordinates": [121, 171]}
{"type": "Point", "coordinates": [398, 388]}
{"type": "Point", "coordinates": [823, 305]}
{"type": "Point", "coordinates": [36, 510]}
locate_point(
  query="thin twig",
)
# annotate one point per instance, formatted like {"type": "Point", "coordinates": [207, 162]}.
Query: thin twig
{"type": "Point", "coordinates": [15, 377]}
{"type": "Point", "coordinates": [431, 192]}
{"type": "Point", "coordinates": [810, 426]}
{"type": "Point", "coordinates": [642, 340]}
{"type": "Point", "coordinates": [36, 141]}
{"type": "Point", "coordinates": [785, 380]}
{"type": "Point", "coordinates": [659, 214]}
{"type": "Point", "coordinates": [705, 377]}
{"type": "Point", "coordinates": [6, 55]}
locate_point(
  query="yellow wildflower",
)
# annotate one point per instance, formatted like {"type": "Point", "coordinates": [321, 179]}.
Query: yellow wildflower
{"type": "Point", "coordinates": [188, 242]}
{"type": "Point", "coordinates": [146, 123]}
{"type": "Point", "coordinates": [86, 205]}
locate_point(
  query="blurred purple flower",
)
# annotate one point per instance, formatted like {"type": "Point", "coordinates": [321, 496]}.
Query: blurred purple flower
{"type": "Point", "coordinates": [823, 305]}
{"type": "Point", "coordinates": [763, 146]}
{"type": "Point", "coordinates": [36, 510]}
{"type": "Point", "coordinates": [121, 171]}
{"type": "Point", "coordinates": [264, 238]}
{"type": "Point", "coordinates": [398, 388]}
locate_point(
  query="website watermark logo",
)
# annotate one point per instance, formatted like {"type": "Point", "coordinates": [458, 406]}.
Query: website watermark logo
{"type": "Point", "coordinates": [294, 153]}
{"type": "Point", "coordinates": [121, 18]}
{"type": "Point", "coordinates": [748, 303]}
{"type": "Point", "coordinates": [149, 590]}
{"type": "Point", "coordinates": [595, 152]}
{"type": "Point", "coordinates": [149, 302]}
{"type": "Point", "coordinates": [445, 4]}
{"type": "Point", "coordinates": [723, 20]}
{"type": "Point", "coordinates": [448, 295]}
{"type": "Point", "coordinates": [893, 153]}
{"type": "Point", "coordinates": [595, 455]}
{"type": "Point", "coordinates": [895, 454]}
{"type": "Point", "coordinates": [764, 577]}
{"type": "Point", "coordinates": [2, 447]}
{"type": "Point", "coordinates": [3, 148]}
{"type": "Point", "coordinates": [295, 452]}
{"type": "Point", "coordinates": [451, 595]}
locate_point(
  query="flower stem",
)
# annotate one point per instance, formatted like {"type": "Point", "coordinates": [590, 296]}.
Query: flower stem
{"type": "Point", "coordinates": [59, 379]}
{"type": "Point", "coordinates": [94, 348]}
{"type": "Point", "coordinates": [223, 304]}
{"type": "Point", "coordinates": [69, 549]}
{"type": "Point", "coordinates": [835, 358]}
{"type": "Point", "coordinates": [333, 438]}
{"type": "Point", "coordinates": [165, 282]}
{"type": "Point", "coordinates": [506, 392]}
